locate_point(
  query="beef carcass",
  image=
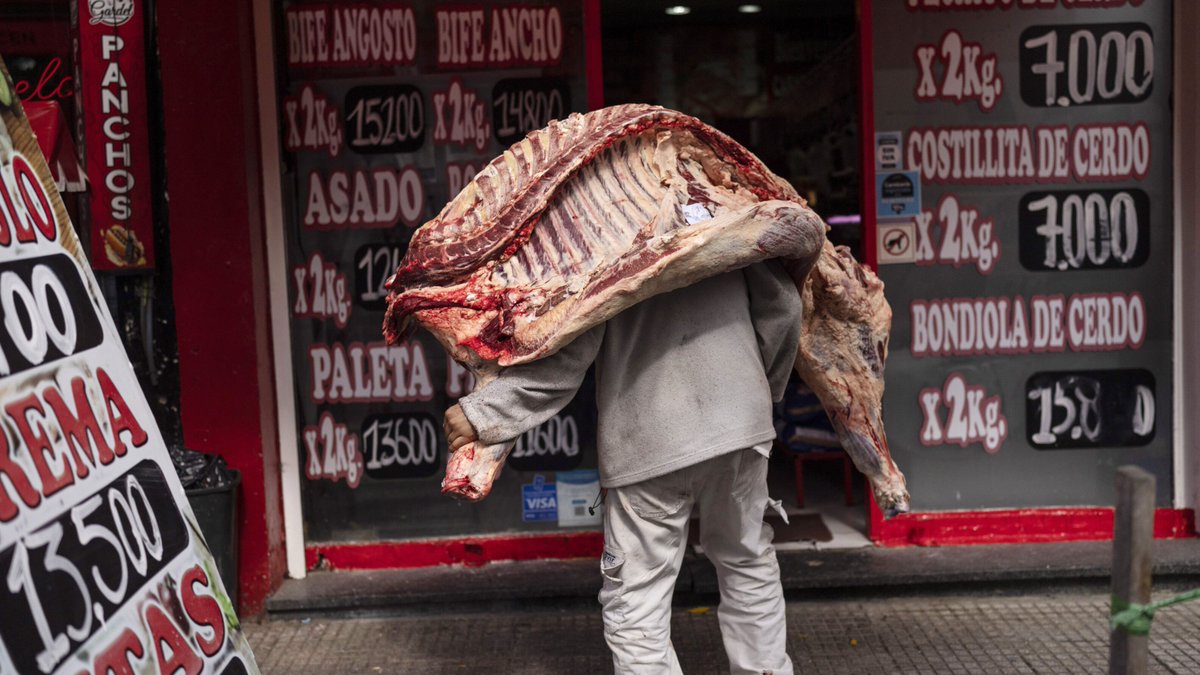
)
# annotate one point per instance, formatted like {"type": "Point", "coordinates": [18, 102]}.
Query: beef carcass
{"type": "Point", "coordinates": [597, 212]}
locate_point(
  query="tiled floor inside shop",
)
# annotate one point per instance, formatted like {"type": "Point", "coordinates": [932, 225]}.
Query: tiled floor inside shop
{"type": "Point", "coordinates": [823, 495]}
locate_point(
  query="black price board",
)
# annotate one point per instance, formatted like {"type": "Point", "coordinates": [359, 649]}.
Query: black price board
{"type": "Point", "coordinates": [47, 311]}
{"type": "Point", "coordinates": [69, 575]}
{"type": "Point", "coordinates": [403, 445]}
{"type": "Point", "coordinates": [377, 143]}
{"type": "Point", "coordinates": [1033, 310]}
{"type": "Point", "coordinates": [100, 555]}
{"type": "Point", "coordinates": [384, 119]}
{"type": "Point", "coordinates": [373, 264]}
{"type": "Point", "coordinates": [1090, 409]}
{"type": "Point", "coordinates": [1090, 64]}
{"type": "Point", "coordinates": [520, 106]}
{"type": "Point", "coordinates": [1084, 229]}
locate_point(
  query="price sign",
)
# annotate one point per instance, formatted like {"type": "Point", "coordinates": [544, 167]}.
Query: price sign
{"type": "Point", "coordinates": [1087, 65]}
{"type": "Point", "coordinates": [384, 119]}
{"type": "Point", "coordinates": [67, 576]}
{"type": "Point", "coordinates": [553, 445]}
{"type": "Point", "coordinates": [100, 560]}
{"type": "Point", "coordinates": [1036, 313]}
{"type": "Point", "coordinates": [402, 446]}
{"type": "Point", "coordinates": [1084, 229]}
{"type": "Point", "coordinates": [520, 106]}
{"type": "Point", "coordinates": [389, 110]}
{"type": "Point", "coordinates": [1090, 409]}
{"type": "Point", "coordinates": [374, 263]}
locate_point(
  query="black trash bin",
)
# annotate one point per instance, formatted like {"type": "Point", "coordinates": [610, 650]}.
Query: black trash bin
{"type": "Point", "coordinates": [216, 510]}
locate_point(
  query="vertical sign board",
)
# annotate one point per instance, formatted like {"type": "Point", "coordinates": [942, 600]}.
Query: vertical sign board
{"type": "Point", "coordinates": [102, 565]}
{"type": "Point", "coordinates": [1031, 348]}
{"type": "Point", "coordinates": [112, 88]}
{"type": "Point", "coordinates": [388, 109]}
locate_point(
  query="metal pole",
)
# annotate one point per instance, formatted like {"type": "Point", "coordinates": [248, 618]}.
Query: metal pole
{"type": "Point", "coordinates": [1133, 535]}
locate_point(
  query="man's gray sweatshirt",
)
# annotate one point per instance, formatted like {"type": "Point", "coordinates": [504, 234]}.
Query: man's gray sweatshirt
{"type": "Point", "coordinates": [680, 378]}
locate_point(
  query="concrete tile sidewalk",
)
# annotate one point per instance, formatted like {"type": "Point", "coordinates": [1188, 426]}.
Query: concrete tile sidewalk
{"type": "Point", "coordinates": [1028, 631]}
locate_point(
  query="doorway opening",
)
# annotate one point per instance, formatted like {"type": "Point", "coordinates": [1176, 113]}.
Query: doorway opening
{"type": "Point", "coordinates": [784, 83]}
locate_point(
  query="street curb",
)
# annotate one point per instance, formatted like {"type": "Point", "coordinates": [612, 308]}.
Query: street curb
{"type": "Point", "coordinates": [450, 585]}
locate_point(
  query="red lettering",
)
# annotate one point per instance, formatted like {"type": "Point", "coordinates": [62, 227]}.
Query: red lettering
{"type": "Point", "coordinates": [24, 204]}
{"type": "Point", "coordinates": [19, 481]}
{"type": "Point", "coordinates": [121, 419]}
{"type": "Point", "coordinates": [42, 92]}
{"type": "Point", "coordinates": [11, 215]}
{"type": "Point", "coordinates": [202, 610]}
{"type": "Point", "coordinates": [162, 629]}
{"type": "Point", "coordinates": [80, 428]}
{"type": "Point", "coordinates": [36, 201]}
{"type": "Point", "coordinates": [33, 434]}
{"type": "Point", "coordinates": [115, 658]}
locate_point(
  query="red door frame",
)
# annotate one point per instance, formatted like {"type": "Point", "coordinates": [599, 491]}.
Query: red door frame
{"type": "Point", "coordinates": [211, 139]}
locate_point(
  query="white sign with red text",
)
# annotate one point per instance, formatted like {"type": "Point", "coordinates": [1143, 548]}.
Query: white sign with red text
{"type": "Point", "coordinates": [103, 566]}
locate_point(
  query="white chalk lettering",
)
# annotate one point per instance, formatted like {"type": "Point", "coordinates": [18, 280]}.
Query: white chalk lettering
{"type": "Point", "coordinates": [970, 416]}
{"type": "Point", "coordinates": [967, 74]}
{"type": "Point", "coordinates": [371, 373]}
{"type": "Point", "coordinates": [502, 36]}
{"type": "Point", "coordinates": [361, 199]}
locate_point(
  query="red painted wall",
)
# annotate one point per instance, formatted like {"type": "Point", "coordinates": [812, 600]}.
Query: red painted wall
{"type": "Point", "coordinates": [217, 250]}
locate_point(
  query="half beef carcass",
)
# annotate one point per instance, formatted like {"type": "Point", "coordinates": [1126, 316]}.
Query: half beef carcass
{"type": "Point", "coordinates": [597, 212]}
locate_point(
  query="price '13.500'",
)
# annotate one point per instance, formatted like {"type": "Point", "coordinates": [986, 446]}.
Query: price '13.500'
{"type": "Point", "coordinates": [91, 562]}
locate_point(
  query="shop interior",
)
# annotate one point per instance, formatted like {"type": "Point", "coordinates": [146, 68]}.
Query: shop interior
{"type": "Point", "coordinates": [782, 83]}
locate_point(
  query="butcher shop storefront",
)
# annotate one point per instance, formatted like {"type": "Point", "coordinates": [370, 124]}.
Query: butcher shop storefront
{"type": "Point", "coordinates": [1007, 166]}
{"type": "Point", "coordinates": [1015, 183]}
{"type": "Point", "coordinates": [384, 112]}
{"type": "Point", "coordinates": [1021, 173]}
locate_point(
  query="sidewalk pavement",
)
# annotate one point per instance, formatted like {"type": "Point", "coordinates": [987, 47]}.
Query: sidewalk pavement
{"type": "Point", "coordinates": [1039, 608]}
{"type": "Point", "coordinates": [1054, 631]}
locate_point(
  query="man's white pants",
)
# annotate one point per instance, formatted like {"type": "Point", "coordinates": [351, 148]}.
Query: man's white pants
{"type": "Point", "coordinates": [645, 535]}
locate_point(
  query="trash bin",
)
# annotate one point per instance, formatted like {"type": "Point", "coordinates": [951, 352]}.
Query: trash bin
{"type": "Point", "coordinates": [212, 490]}
{"type": "Point", "coordinates": [217, 514]}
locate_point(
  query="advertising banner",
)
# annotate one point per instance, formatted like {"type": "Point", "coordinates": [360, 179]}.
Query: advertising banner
{"type": "Point", "coordinates": [102, 565]}
{"type": "Point", "coordinates": [112, 88]}
{"type": "Point", "coordinates": [1032, 288]}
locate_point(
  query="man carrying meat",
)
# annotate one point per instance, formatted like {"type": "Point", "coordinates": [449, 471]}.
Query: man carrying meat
{"type": "Point", "coordinates": [684, 386]}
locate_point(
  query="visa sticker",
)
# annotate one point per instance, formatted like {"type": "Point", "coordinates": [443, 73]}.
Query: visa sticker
{"type": "Point", "coordinates": [539, 501]}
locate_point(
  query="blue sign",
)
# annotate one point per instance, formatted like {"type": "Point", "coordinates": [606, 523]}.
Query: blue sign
{"type": "Point", "coordinates": [539, 501]}
{"type": "Point", "coordinates": [897, 194]}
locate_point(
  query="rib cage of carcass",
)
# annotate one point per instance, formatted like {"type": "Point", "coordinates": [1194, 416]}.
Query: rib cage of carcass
{"type": "Point", "coordinates": [597, 212]}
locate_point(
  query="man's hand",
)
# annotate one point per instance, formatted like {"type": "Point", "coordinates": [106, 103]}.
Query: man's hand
{"type": "Point", "coordinates": [458, 428]}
